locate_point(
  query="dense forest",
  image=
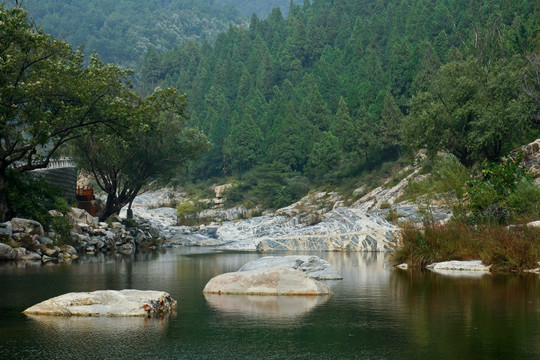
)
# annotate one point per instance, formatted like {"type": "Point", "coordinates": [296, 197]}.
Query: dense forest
{"type": "Point", "coordinates": [329, 89]}
{"type": "Point", "coordinates": [260, 7]}
{"type": "Point", "coordinates": [342, 86]}
{"type": "Point", "coordinates": [122, 31]}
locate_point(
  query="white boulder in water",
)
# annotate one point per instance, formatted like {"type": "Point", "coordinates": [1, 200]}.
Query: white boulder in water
{"type": "Point", "coordinates": [468, 265]}
{"type": "Point", "coordinates": [106, 303]}
{"type": "Point", "coordinates": [312, 266]}
{"type": "Point", "coordinates": [276, 281]}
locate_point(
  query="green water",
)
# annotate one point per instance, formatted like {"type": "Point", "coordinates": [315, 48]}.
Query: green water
{"type": "Point", "coordinates": [376, 312]}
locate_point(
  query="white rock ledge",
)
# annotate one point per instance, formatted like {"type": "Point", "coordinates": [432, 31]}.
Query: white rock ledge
{"type": "Point", "coordinates": [106, 303]}
{"type": "Point", "coordinates": [276, 281]}
{"type": "Point", "coordinates": [455, 265]}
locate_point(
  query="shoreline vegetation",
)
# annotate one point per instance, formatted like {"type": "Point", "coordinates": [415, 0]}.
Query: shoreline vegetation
{"type": "Point", "coordinates": [490, 208]}
{"type": "Point", "coordinates": [506, 248]}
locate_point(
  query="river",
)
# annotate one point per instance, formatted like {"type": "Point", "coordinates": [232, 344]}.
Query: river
{"type": "Point", "coordinates": [376, 312]}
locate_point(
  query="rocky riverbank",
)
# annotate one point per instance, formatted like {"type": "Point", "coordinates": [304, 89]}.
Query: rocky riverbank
{"type": "Point", "coordinates": [26, 240]}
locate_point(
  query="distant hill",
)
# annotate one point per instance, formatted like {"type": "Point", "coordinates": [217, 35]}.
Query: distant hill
{"type": "Point", "coordinates": [260, 7]}
{"type": "Point", "coordinates": [121, 31]}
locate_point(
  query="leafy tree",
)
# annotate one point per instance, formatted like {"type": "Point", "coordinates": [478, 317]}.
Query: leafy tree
{"type": "Point", "coordinates": [47, 96]}
{"type": "Point", "coordinates": [344, 128]}
{"type": "Point", "coordinates": [389, 127]}
{"type": "Point", "coordinates": [242, 145]}
{"type": "Point", "coordinates": [325, 155]}
{"type": "Point", "coordinates": [155, 145]}
{"type": "Point", "coordinates": [473, 113]}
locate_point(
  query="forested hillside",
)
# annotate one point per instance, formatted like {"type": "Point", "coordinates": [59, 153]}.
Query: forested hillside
{"type": "Point", "coordinates": [122, 31]}
{"type": "Point", "coordinates": [260, 7]}
{"type": "Point", "coordinates": [341, 86]}
{"type": "Point", "coordinates": [331, 90]}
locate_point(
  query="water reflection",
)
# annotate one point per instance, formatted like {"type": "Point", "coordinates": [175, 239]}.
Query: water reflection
{"type": "Point", "coordinates": [85, 326]}
{"type": "Point", "coordinates": [376, 312]}
{"type": "Point", "coordinates": [267, 307]}
{"type": "Point", "coordinates": [461, 273]}
{"type": "Point", "coordinates": [461, 315]}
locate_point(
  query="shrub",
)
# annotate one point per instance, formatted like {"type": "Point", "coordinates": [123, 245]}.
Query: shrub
{"type": "Point", "coordinates": [32, 198]}
{"type": "Point", "coordinates": [502, 191]}
{"type": "Point", "coordinates": [506, 249]}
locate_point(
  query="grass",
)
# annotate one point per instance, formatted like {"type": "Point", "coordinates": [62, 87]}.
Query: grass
{"type": "Point", "coordinates": [507, 249]}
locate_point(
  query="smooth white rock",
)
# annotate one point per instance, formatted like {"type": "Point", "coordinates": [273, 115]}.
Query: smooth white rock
{"type": "Point", "coordinates": [311, 265]}
{"type": "Point", "coordinates": [106, 303]}
{"type": "Point", "coordinates": [278, 281]}
{"type": "Point", "coordinates": [534, 224]}
{"type": "Point", "coordinates": [456, 265]}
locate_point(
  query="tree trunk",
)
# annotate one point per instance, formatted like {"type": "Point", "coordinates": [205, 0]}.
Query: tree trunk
{"type": "Point", "coordinates": [111, 208]}
{"type": "Point", "coordinates": [4, 208]}
{"type": "Point", "coordinates": [129, 210]}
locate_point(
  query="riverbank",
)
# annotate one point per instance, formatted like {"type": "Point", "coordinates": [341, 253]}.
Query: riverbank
{"type": "Point", "coordinates": [26, 240]}
{"type": "Point", "coordinates": [503, 248]}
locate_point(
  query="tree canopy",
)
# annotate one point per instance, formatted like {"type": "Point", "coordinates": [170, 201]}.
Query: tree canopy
{"type": "Point", "coordinates": [382, 77]}
{"type": "Point", "coordinates": [47, 95]}
{"type": "Point", "coordinates": [154, 144]}
{"type": "Point", "coordinates": [49, 98]}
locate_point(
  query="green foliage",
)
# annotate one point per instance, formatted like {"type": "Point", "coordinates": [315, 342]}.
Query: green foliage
{"type": "Point", "coordinates": [48, 96]}
{"type": "Point", "coordinates": [505, 249]}
{"type": "Point", "coordinates": [31, 198]}
{"type": "Point", "coordinates": [187, 212]}
{"type": "Point", "coordinates": [62, 228]}
{"type": "Point", "coordinates": [474, 112]}
{"type": "Point", "coordinates": [121, 31]}
{"type": "Point", "coordinates": [376, 75]}
{"type": "Point", "coordinates": [325, 155]}
{"type": "Point", "coordinates": [272, 186]}
{"type": "Point", "coordinates": [154, 144]}
{"type": "Point", "coordinates": [502, 191]}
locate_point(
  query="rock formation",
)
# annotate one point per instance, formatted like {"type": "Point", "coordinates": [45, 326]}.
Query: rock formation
{"type": "Point", "coordinates": [312, 266]}
{"type": "Point", "coordinates": [106, 303]}
{"type": "Point", "coordinates": [278, 281]}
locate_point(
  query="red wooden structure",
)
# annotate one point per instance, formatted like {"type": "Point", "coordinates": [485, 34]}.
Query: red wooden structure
{"type": "Point", "coordinates": [85, 196]}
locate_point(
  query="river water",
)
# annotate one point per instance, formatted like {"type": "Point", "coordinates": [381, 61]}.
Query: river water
{"type": "Point", "coordinates": [376, 312]}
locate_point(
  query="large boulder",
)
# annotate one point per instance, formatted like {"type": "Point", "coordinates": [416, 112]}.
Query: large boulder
{"type": "Point", "coordinates": [280, 281]}
{"type": "Point", "coordinates": [7, 252]}
{"type": "Point", "coordinates": [28, 226]}
{"type": "Point", "coordinates": [6, 229]}
{"type": "Point", "coordinates": [80, 216]}
{"type": "Point", "coordinates": [459, 265]}
{"type": "Point", "coordinates": [106, 303]}
{"type": "Point", "coordinates": [312, 266]}
{"type": "Point", "coordinates": [458, 268]}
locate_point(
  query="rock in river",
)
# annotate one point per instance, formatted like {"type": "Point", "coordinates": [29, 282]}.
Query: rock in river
{"type": "Point", "coordinates": [455, 268]}
{"type": "Point", "coordinates": [106, 303]}
{"type": "Point", "coordinates": [277, 281]}
{"type": "Point", "coordinates": [312, 266]}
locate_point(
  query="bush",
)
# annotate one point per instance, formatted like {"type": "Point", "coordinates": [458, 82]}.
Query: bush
{"type": "Point", "coordinates": [32, 198]}
{"type": "Point", "coordinates": [502, 191]}
{"type": "Point", "coordinates": [506, 249]}
{"type": "Point", "coordinates": [514, 249]}
{"type": "Point", "coordinates": [62, 228]}
{"type": "Point", "coordinates": [187, 213]}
